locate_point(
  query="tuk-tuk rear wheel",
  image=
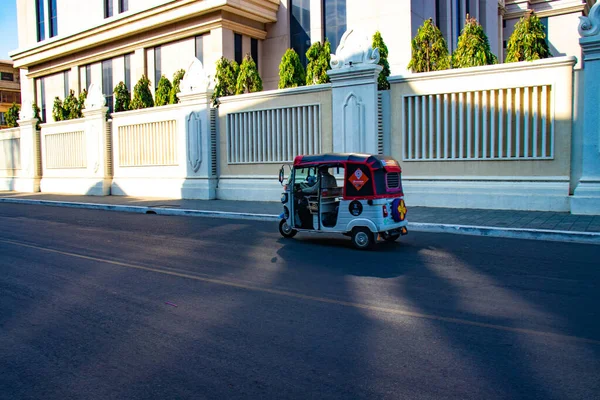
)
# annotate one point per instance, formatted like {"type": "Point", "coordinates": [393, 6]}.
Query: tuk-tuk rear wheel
{"type": "Point", "coordinates": [390, 237]}
{"type": "Point", "coordinates": [362, 238]}
{"type": "Point", "coordinates": [286, 230]}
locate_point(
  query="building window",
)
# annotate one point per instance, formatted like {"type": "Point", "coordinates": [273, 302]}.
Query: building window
{"type": "Point", "coordinates": [43, 99]}
{"type": "Point", "coordinates": [7, 76]}
{"type": "Point", "coordinates": [335, 21]}
{"type": "Point", "coordinates": [2, 119]}
{"type": "Point", "coordinates": [41, 26]}
{"type": "Point", "coordinates": [200, 48]}
{"type": "Point", "coordinates": [238, 48]}
{"type": "Point", "coordinates": [157, 67]}
{"type": "Point", "coordinates": [300, 27]}
{"type": "Point", "coordinates": [254, 50]}
{"type": "Point", "coordinates": [66, 83]}
{"type": "Point", "coordinates": [53, 20]}
{"type": "Point", "coordinates": [108, 8]}
{"type": "Point", "coordinates": [88, 76]}
{"type": "Point", "coordinates": [127, 63]}
{"type": "Point", "coordinates": [123, 5]}
{"type": "Point", "coordinates": [107, 83]}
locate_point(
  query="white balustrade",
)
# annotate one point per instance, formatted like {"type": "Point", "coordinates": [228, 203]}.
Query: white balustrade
{"type": "Point", "coordinates": [65, 150]}
{"type": "Point", "coordinates": [273, 135]}
{"type": "Point", "coordinates": [497, 124]}
{"type": "Point", "coordinates": [10, 151]}
{"type": "Point", "coordinates": [148, 144]}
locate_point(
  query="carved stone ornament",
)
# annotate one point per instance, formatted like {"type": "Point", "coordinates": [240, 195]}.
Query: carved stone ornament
{"type": "Point", "coordinates": [354, 48]}
{"type": "Point", "coordinates": [26, 112]}
{"type": "Point", "coordinates": [590, 25]}
{"type": "Point", "coordinates": [95, 99]}
{"type": "Point", "coordinates": [195, 79]}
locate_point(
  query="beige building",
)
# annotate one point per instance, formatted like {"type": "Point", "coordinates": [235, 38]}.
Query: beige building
{"type": "Point", "coordinates": [10, 91]}
{"type": "Point", "coordinates": [67, 44]}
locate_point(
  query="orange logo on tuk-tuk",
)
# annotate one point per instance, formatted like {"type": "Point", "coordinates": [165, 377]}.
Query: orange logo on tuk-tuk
{"type": "Point", "coordinates": [358, 179]}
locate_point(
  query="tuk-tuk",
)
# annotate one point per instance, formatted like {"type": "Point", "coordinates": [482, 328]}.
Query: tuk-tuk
{"type": "Point", "coordinates": [358, 195]}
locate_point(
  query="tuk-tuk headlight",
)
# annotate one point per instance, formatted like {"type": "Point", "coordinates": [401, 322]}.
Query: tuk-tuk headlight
{"type": "Point", "coordinates": [284, 197]}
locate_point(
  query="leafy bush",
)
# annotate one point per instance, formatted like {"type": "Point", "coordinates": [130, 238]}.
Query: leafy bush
{"type": "Point", "coordinates": [122, 97]}
{"type": "Point", "coordinates": [12, 115]}
{"type": "Point", "coordinates": [226, 75]}
{"type": "Point", "coordinates": [58, 110]}
{"type": "Point", "coordinates": [72, 107]}
{"type": "Point", "coordinates": [473, 47]}
{"type": "Point", "coordinates": [177, 77]}
{"type": "Point", "coordinates": [163, 89]}
{"type": "Point", "coordinates": [142, 97]}
{"type": "Point", "coordinates": [429, 49]}
{"type": "Point", "coordinates": [248, 79]}
{"type": "Point", "coordinates": [382, 81]}
{"type": "Point", "coordinates": [291, 71]}
{"type": "Point", "coordinates": [528, 41]}
{"type": "Point", "coordinates": [318, 56]}
{"type": "Point", "coordinates": [36, 114]}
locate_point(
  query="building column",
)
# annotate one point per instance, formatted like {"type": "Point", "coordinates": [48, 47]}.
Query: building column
{"type": "Point", "coordinates": [354, 95]}
{"type": "Point", "coordinates": [74, 80]}
{"type": "Point", "coordinates": [138, 66]}
{"type": "Point", "coordinates": [586, 198]}
{"type": "Point", "coordinates": [30, 174]}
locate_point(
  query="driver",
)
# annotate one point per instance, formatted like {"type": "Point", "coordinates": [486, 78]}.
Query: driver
{"type": "Point", "coordinates": [327, 181]}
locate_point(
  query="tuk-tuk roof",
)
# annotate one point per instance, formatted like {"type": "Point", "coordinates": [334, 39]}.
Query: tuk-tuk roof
{"type": "Point", "coordinates": [373, 161]}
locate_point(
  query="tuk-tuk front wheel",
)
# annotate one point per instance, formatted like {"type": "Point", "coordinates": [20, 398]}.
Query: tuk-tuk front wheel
{"type": "Point", "coordinates": [286, 230]}
{"type": "Point", "coordinates": [362, 238]}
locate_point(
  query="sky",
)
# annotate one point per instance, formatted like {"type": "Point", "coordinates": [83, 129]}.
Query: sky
{"type": "Point", "coordinates": [8, 28]}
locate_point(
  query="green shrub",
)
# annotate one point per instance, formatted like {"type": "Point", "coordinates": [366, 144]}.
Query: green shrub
{"type": "Point", "coordinates": [177, 77]}
{"type": "Point", "coordinates": [248, 80]}
{"type": "Point", "coordinates": [429, 49]}
{"type": "Point", "coordinates": [528, 41]}
{"type": "Point", "coordinates": [226, 75]}
{"type": "Point", "coordinates": [291, 71]}
{"type": "Point", "coordinates": [142, 96]}
{"type": "Point", "coordinates": [473, 47]}
{"type": "Point", "coordinates": [378, 43]}
{"type": "Point", "coordinates": [163, 89]}
{"type": "Point", "coordinates": [72, 107]}
{"type": "Point", "coordinates": [12, 115]}
{"type": "Point", "coordinates": [122, 97]}
{"type": "Point", "coordinates": [58, 110]}
{"type": "Point", "coordinates": [36, 115]}
{"type": "Point", "coordinates": [318, 56]}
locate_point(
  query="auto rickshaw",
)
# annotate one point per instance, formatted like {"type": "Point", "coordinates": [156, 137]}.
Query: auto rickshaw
{"type": "Point", "coordinates": [358, 195]}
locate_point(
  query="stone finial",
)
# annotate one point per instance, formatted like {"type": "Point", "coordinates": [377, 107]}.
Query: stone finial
{"type": "Point", "coordinates": [590, 25]}
{"type": "Point", "coordinates": [354, 49]}
{"type": "Point", "coordinates": [95, 99]}
{"type": "Point", "coordinates": [26, 112]}
{"type": "Point", "coordinates": [195, 79]}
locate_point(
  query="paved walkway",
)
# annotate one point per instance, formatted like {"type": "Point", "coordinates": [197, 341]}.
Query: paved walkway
{"type": "Point", "coordinates": [552, 224]}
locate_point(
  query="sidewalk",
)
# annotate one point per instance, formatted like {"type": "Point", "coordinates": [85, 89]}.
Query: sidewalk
{"type": "Point", "coordinates": [498, 223]}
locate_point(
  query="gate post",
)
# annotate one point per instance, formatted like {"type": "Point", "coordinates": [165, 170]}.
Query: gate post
{"type": "Point", "coordinates": [31, 171]}
{"type": "Point", "coordinates": [586, 198]}
{"type": "Point", "coordinates": [354, 94]}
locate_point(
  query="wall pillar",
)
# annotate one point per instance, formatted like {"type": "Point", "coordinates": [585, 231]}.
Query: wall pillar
{"type": "Point", "coordinates": [30, 174]}
{"type": "Point", "coordinates": [354, 93]}
{"type": "Point", "coordinates": [586, 198]}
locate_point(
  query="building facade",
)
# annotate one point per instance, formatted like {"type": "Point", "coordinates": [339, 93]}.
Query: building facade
{"type": "Point", "coordinates": [10, 91]}
{"type": "Point", "coordinates": [67, 44]}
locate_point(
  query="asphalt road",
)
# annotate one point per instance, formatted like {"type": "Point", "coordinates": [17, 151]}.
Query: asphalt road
{"type": "Point", "coordinates": [104, 305]}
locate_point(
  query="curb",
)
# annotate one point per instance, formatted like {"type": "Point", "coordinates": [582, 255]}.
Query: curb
{"type": "Point", "coordinates": [498, 232]}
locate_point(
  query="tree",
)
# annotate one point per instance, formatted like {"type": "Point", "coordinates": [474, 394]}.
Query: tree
{"type": "Point", "coordinates": [382, 81]}
{"type": "Point", "coordinates": [226, 75]}
{"type": "Point", "coordinates": [429, 49]}
{"type": "Point", "coordinates": [473, 47]}
{"type": "Point", "coordinates": [36, 115]}
{"type": "Point", "coordinates": [122, 97]}
{"type": "Point", "coordinates": [72, 107]}
{"type": "Point", "coordinates": [58, 111]}
{"type": "Point", "coordinates": [12, 115]}
{"type": "Point", "coordinates": [248, 79]}
{"type": "Point", "coordinates": [177, 77]}
{"type": "Point", "coordinates": [318, 56]}
{"type": "Point", "coordinates": [163, 89]}
{"type": "Point", "coordinates": [142, 97]}
{"type": "Point", "coordinates": [81, 100]}
{"type": "Point", "coordinates": [528, 41]}
{"type": "Point", "coordinates": [291, 71]}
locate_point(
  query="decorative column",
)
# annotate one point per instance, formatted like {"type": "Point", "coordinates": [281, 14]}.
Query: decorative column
{"type": "Point", "coordinates": [354, 93]}
{"type": "Point", "coordinates": [586, 199]}
{"type": "Point", "coordinates": [30, 174]}
{"type": "Point", "coordinates": [198, 129]}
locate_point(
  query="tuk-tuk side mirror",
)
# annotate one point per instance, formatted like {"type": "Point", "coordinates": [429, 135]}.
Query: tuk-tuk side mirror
{"type": "Point", "coordinates": [281, 175]}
